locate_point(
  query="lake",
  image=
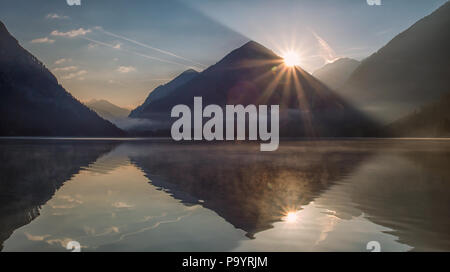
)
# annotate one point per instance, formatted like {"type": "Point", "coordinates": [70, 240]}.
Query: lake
{"type": "Point", "coordinates": [157, 195]}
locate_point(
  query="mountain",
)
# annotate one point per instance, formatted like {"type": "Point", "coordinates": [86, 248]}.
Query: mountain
{"type": "Point", "coordinates": [432, 120]}
{"type": "Point", "coordinates": [107, 110]}
{"type": "Point", "coordinates": [32, 103]}
{"type": "Point", "coordinates": [164, 90]}
{"type": "Point", "coordinates": [411, 70]}
{"type": "Point", "coordinates": [252, 74]}
{"type": "Point", "coordinates": [335, 74]}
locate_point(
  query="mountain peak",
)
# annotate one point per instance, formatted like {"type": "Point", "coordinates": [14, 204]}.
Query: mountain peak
{"type": "Point", "coordinates": [249, 51]}
{"type": "Point", "coordinates": [256, 47]}
{"type": "Point", "coordinates": [252, 44]}
{"type": "Point", "coordinates": [5, 36]}
{"type": "Point", "coordinates": [345, 60]}
{"type": "Point", "coordinates": [189, 71]}
{"type": "Point", "coordinates": [3, 28]}
{"type": "Point", "coordinates": [98, 101]}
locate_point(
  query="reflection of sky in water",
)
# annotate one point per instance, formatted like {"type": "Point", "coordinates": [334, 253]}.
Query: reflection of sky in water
{"type": "Point", "coordinates": [110, 205]}
{"type": "Point", "coordinates": [118, 210]}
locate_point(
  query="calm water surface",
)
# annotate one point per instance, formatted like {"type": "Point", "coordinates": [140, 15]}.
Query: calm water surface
{"type": "Point", "coordinates": [154, 195]}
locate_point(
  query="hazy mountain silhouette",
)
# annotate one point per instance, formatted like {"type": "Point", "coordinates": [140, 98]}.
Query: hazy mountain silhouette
{"type": "Point", "coordinates": [432, 120]}
{"type": "Point", "coordinates": [32, 103]}
{"type": "Point", "coordinates": [335, 74]}
{"type": "Point", "coordinates": [107, 110]}
{"type": "Point", "coordinates": [252, 74]}
{"type": "Point", "coordinates": [411, 70]}
{"type": "Point", "coordinates": [163, 91]}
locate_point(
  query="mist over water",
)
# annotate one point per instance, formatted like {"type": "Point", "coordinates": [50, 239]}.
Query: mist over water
{"type": "Point", "coordinates": [156, 195]}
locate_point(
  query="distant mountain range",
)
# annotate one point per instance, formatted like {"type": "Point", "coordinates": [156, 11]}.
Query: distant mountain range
{"type": "Point", "coordinates": [32, 103]}
{"type": "Point", "coordinates": [335, 74]}
{"type": "Point", "coordinates": [413, 69]}
{"type": "Point", "coordinates": [107, 110]}
{"type": "Point", "coordinates": [252, 74]}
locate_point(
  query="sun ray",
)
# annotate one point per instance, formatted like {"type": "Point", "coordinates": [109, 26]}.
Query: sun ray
{"type": "Point", "coordinates": [271, 87]}
{"type": "Point", "coordinates": [304, 107]}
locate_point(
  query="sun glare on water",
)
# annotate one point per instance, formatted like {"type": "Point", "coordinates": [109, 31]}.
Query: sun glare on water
{"type": "Point", "coordinates": [291, 59]}
{"type": "Point", "coordinates": [291, 217]}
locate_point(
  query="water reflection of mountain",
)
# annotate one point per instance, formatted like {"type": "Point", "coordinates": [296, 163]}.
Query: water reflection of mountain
{"type": "Point", "coordinates": [31, 173]}
{"type": "Point", "coordinates": [248, 188]}
{"type": "Point", "coordinates": [404, 188]}
{"type": "Point", "coordinates": [410, 195]}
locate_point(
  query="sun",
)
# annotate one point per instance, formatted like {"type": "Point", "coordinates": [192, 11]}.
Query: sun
{"type": "Point", "coordinates": [291, 59]}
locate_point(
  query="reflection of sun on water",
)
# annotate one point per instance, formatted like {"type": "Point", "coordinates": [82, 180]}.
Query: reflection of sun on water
{"type": "Point", "coordinates": [291, 217]}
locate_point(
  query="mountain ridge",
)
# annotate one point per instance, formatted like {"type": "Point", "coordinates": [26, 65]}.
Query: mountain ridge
{"type": "Point", "coordinates": [409, 71]}
{"type": "Point", "coordinates": [33, 103]}
{"type": "Point", "coordinates": [164, 90]}
{"type": "Point", "coordinates": [336, 73]}
{"type": "Point", "coordinates": [253, 74]}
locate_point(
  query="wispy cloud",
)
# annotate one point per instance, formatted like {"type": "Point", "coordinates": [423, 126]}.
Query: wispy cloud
{"type": "Point", "coordinates": [126, 69]}
{"type": "Point", "coordinates": [136, 53]}
{"type": "Point", "coordinates": [43, 40]}
{"type": "Point", "coordinates": [149, 46]}
{"type": "Point", "coordinates": [62, 60]}
{"type": "Point", "coordinates": [92, 45]}
{"type": "Point", "coordinates": [78, 74]}
{"type": "Point", "coordinates": [121, 204]}
{"type": "Point", "coordinates": [36, 237]}
{"type": "Point", "coordinates": [71, 34]}
{"type": "Point", "coordinates": [56, 16]}
{"type": "Point", "coordinates": [65, 69]}
{"type": "Point", "coordinates": [326, 52]}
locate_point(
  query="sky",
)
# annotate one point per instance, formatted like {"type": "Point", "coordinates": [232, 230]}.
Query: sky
{"type": "Point", "coordinates": [120, 50]}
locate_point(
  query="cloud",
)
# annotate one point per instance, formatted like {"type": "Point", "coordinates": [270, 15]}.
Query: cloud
{"type": "Point", "coordinates": [120, 204]}
{"type": "Point", "coordinates": [61, 242]}
{"type": "Point", "coordinates": [36, 237]}
{"type": "Point", "coordinates": [92, 45]}
{"type": "Point", "coordinates": [61, 61]}
{"type": "Point", "coordinates": [326, 52]}
{"type": "Point", "coordinates": [75, 74]}
{"type": "Point", "coordinates": [71, 199]}
{"type": "Point", "coordinates": [136, 53]}
{"type": "Point", "coordinates": [65, 69]}
{"type": "Point", "coordinates": [71, 34]}
{"type": "Point", "coordinates": [148, 46]}
{"type": "Point", "coordinates": [126, 69]}
{"type": "Point", "coordinates": [43, 40]}
{"type": "Point", "coordinates": [56, 16]}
